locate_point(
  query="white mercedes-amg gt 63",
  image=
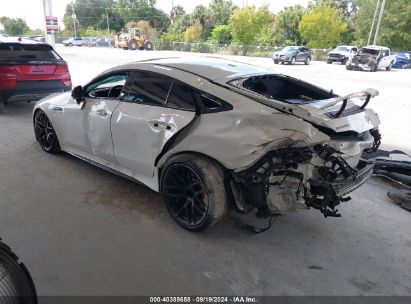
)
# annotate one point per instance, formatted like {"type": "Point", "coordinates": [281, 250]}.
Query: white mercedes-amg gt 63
{"type": "Point", "coordinates": [213, 135]}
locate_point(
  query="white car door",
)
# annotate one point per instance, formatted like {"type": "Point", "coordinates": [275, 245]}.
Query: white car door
{"type": "Point", "coordinates": [87, 125]}
{"type": "Point", "coordinates": [155, 108]}
{"type": "Point", "coordinates": [384, 60]}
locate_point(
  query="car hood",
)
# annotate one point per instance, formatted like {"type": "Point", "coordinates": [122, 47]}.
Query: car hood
{"type": "Point", "coordinates": [283, 53]}
{"type": "Point", "coordinates": [338, 52]}
{"type": "Point", "coordinates": [364, 58]}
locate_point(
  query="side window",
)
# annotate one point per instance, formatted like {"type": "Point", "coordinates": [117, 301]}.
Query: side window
{"type": "Point", "coordinates": [212, 104]}
{"type": "Point", "coordinates": [149, 88]}
{"type": "Point", "coordinates": [181, 97]}
{"type": "Point", "coordinates": [354, 50]}
{"type": "Point", "coordinates": [109, 86]}
{"type": "Point", "coordinates": [387, 53]}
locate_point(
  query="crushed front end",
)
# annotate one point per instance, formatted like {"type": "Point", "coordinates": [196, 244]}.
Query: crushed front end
{"type": "Point", "coordinates": [362, 62]}
{"type": "Point", "coordinates": [317, 177]}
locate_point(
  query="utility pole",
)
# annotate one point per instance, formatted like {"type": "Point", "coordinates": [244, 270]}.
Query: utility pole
{"type": "Point", "coordinates": [171, 12]}
{"type": "Point", "coordinates": [373, 21]}
{"type": "Point", "coordinates": [108, 29]}
{"type": "Point", "coordinates": [73, 16]}
{"type": "Point", "coordinates": [379, 22]}
{"type": "Point", "coordinates": [48, 11]}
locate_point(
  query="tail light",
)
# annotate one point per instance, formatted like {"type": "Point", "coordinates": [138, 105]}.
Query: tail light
{"type": "Point", "coordinates": [7, 77]}
{"type": "Point", "coordinates": [62, 68]}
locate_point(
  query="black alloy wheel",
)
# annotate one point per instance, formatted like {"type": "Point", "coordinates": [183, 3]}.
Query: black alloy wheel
{"type": "Point", "coordinates": [45, 133]}
{"type": "Point", "coordinates": [193, 191]}
{"type": "Point", "coordinates": [185, 195]}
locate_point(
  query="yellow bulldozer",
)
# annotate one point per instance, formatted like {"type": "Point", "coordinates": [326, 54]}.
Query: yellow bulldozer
{"type": "Point", "coordinates": [134, 40]}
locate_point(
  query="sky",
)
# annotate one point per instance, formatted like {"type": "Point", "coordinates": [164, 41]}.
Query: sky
{"type": "Point", "coordinates": [32, 10]}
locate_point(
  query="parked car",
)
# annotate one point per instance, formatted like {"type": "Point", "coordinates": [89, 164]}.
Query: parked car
{"type": "Point", "coordinates": [293, 54]}
{"type": "Point", "coordinates": [402, 60]}
{"type": "Point", "coordinates": [103, 42]}
{"type": "Point", "coordinates": [341, 54]}
{"type": "Point", "coordinates": [77, 41]}
{"type": "Point", "coordinates": [30, 70]}
{"type": "Point", "coordinates": [371, 58]}
{"type": "Point", "coordinates": [90, 41]}
{"type": "Point", "coordinates": [212, 135]}
{"type": "Point", "coordinates": [38, 38]}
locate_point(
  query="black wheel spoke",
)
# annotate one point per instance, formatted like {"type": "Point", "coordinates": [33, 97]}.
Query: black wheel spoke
{"type": "Point", "coordinates": [45, 132]}
{"type": "Point", "coordinates": [185, 195]}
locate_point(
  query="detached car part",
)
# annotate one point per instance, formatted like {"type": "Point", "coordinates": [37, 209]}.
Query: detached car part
{"type": "Point", "coordinates": [212, 135]}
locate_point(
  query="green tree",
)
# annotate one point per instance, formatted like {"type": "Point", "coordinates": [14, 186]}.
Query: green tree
{"type": "Point", "coordinates": [199, 14]}
{"type": "Point", "coordinates": [322, 26]}
{"type": "Point", "coordinates": [221, 34]}
{"type": "Point", "coordinates": [286, 26]}
{"type": "Point", "coordinates": [395, 26]}
{"type": "Point", "coordinates": [193, 33]}
{"type": "Point", "coordinates": [347, 7]}
{"type": "Point", "coordinates": [219, 12]}
{"type": "Point", "coordinates": [248, 22]}
{"type": "Point", "coordinates": [14, 26]}
{"type": "Point", "coordinates": [177, 12]}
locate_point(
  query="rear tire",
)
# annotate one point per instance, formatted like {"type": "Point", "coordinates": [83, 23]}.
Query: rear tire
{"type": "Point", "coordinates": [292, 62]}
{"type": "Point", "coordinates": [329, 62]}
{"type": "Point", "coordinates": [307, 61]}
{"type": "Point", "coordinates": [45, 133]}
{"type": "Point", "coordinates": [193, 191]}
{"type": "Point", "coordinates": [148, 46]}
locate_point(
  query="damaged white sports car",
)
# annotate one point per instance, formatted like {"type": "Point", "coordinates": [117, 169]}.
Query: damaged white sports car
{"type": "Point", "coordinates": [212, 135]}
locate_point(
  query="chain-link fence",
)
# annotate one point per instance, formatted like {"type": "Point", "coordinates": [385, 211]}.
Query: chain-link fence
{"type": "Point", "coordinates": [205, 47]}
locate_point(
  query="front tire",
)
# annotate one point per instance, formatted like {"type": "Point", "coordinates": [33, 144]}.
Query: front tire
{"type": "Point", "coordinates": [45, 133]}
{"type": "Point", "coordinates": [193, 191]}
{"type": "Point", "coordinates": [292, 62]}
{"type": "Point", "coordinates": [307, 61]}
{"type": "Point", "coordinates": [388, 68]}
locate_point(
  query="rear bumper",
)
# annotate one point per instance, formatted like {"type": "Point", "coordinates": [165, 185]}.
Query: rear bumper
{"type": "Point", "coordinates": [33, 90]}
{"type": "Point", "coordinates": [342, 186]}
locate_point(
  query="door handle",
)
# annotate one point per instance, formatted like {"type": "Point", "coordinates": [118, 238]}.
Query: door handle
{"type": "Point", "coordinates": [60, 109]}
{"type": "Point", "coordinates": [101, 112]}
{"type": "Point", "coordinates": [160, 125]}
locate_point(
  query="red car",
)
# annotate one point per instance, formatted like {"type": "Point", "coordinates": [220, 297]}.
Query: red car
{"type": "Point", "coordinates": [30, 70]}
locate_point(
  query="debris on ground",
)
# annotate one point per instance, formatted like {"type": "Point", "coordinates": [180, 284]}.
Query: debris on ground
{"type": "Point", "coordinates": [401, 197]}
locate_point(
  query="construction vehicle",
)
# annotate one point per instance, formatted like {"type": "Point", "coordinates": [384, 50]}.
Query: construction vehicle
{"type": "Point", "coordinates": [134, 40]}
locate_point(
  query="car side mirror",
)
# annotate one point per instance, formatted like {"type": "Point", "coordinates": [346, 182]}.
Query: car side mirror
{"type": "Point", "coordinates": [78, 94]}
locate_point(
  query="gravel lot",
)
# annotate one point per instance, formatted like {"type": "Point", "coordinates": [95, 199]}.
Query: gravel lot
{"type": "Point", "coordinates": [83, 231]}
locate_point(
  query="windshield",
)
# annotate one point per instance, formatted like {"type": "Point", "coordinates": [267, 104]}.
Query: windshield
{"type": "Point", "coordinates": [341, 49]}
{"type": "Point", "coordinates": [17, 51]}
{"type": "Point", "coordinates": [288, 49]}
{"type": "Point", "coordinates": [369, 51]}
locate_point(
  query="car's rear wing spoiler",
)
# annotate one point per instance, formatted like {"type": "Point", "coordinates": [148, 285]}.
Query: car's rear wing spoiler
{"type": "Point", "coordinates": [364, 94]}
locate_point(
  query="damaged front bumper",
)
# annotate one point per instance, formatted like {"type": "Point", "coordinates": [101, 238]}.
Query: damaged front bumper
{"type": "Point", "coordinates": [359, 67]}
{"type": "Point", "coordinates": [317, 177]}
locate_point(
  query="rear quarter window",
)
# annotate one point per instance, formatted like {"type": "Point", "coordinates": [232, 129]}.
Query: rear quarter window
{"type": "Point", "coordinates": [16, 51]}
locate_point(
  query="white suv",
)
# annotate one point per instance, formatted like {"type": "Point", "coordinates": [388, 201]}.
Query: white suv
{"type": "Point", "coordinates": [78, 41]}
